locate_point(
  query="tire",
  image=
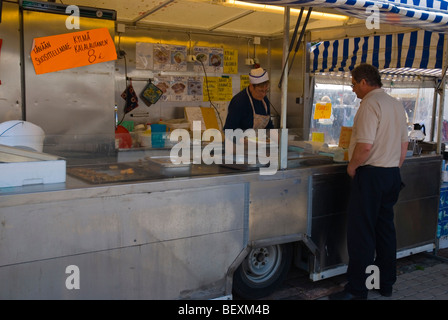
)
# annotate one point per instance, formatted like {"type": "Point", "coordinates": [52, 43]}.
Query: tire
{"type": "Point", "coordinates": [262, 271]}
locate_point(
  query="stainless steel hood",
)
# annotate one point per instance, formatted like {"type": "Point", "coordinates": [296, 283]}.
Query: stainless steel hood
{"type": "Point", "coordinates": [85, 12]}
{"type": "Point", "coordinates": [221, 16]}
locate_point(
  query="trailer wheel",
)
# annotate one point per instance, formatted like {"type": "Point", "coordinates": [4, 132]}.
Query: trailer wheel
{"type": "Point", "coordinates": [262, 271]}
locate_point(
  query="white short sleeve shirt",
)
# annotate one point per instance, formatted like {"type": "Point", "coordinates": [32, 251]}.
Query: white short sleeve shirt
{"type": "Point", "coordinates": [380, 121]}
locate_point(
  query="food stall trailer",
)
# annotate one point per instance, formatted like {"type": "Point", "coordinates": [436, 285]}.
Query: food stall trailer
{"type": "Point", "coordinates": [123, 227]}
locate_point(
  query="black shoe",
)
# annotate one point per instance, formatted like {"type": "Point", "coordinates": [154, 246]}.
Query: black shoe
{"type": "Point", "coordinates": [345, 295]}
{"type": "Point", "coordinates": [384, 292]}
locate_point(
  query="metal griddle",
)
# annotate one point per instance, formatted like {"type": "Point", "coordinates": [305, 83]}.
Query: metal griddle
{"type": "Point", "coordinates": [152, 168]}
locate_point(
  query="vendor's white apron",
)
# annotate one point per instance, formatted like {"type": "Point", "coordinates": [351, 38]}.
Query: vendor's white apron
{"type": "Point", "coordinates": [260, 121]}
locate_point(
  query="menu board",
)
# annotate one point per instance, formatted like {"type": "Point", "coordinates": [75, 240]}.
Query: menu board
{"type": "Point", "coordinates": [244, 81]}
{"type": "Point", "coordinates": [71, 50]}
{"type": "Point", "coordinates": [160, 57]}
{"type": "Point", "coordinates": [164, 84]}
{"type": "Point", "coordinates": [165, 57]}
{"type": "Point", "coordinates": [143, 56]}
{"type": "Point", "coordinates": [178, 56]}
{"type": "Point", "coordinates": [230, 61]}
{"type": "Point", "coordinates": [210, 59]}
{"type": "Point", "coordinates": [169, 58]}
{"type": "Point", "coordinates": [219, 88]}
{"type": "Point", "coordinates": [194, 89]}
{"type": "Point", "coordinates": [180, 88]}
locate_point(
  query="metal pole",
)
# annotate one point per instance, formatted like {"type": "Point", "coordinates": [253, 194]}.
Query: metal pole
{"type": "Point", "coordinates": [284, 97]}
{"type": "Point", "coordinates": [432, 136]}
{"type": "Point", "coordinates": [22, 62]}
{"type": "Point", "coordinates": [442, 98]}
{"type": "Point", "coordinates": [291, 44]}
{"type": "Point", "coordinates": [301, 37]}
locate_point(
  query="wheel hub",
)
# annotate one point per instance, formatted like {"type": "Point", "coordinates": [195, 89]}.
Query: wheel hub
{"type": "Point", "coordinates": [262, 263]}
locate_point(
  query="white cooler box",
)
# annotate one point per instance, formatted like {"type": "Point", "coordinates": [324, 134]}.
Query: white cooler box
{"type": "Point", "coordinates": [21, 167]}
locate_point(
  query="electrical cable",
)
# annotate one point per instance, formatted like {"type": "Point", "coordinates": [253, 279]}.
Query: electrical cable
{"type": "Point", "coordinates": [208, 93]}
{"type": "Point", "coordinates": [122, 55]}
{"type": "Point", "coordinates": [274, 108]}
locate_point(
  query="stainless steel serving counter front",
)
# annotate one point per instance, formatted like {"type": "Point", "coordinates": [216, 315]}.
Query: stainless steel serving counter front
{"type": "Point", "coordinates": [182, 237]}
{"type": "Point", "coordinates": [161, 239]}
{"type": "Point", "coordinates": [416, 213]}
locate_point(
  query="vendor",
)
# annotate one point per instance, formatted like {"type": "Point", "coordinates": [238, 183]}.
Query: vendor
{"type": "Point", "coordinates": [250, 108]}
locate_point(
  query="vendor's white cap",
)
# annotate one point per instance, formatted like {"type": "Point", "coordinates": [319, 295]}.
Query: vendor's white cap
{"type": "Point", "coordinates": [258, 75]}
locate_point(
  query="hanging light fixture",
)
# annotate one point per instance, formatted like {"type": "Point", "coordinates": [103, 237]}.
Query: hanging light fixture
{"type": "Point", "coordinates": [280, 10]}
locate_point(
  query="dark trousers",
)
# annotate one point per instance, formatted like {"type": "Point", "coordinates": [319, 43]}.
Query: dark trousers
{"type": "Point", "coordinates": [371, 237]}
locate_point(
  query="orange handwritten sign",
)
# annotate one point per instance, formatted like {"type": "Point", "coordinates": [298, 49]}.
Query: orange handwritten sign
{"type": "Point", "coordinates": [345, 136]}
{"type": "Point", "coordinates": [322, 111]}
{"type": "Point", "coordinates": [71, 50]}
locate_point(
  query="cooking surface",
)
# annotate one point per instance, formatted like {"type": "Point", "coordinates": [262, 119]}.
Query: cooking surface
{"type": "Point", "coordinates": [141, 170]}
{"type": "Point", "coordinates": [161, 167]}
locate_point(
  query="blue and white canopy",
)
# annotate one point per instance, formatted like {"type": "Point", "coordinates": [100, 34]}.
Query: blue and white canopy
{"type": "Point", "coordinates": [408, 53]}
{"type": "Point", "coordinates": [419, 52]}
{"type": "Point", "coordinates": [429, 15]}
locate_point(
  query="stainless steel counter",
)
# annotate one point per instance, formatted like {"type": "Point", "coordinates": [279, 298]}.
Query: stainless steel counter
{"type": "Point", "coordinates": [173, 238]}
{"type": "Point", "coordinates": [145, 171]}
{"type": "Point", "coordinates": [415, 212]}
{"type": "Point", "coordinates": [179, 238]}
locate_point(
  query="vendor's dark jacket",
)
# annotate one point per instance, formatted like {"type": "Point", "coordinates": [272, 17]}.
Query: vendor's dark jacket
{"type": "Point", "coordinates": [240, 114]}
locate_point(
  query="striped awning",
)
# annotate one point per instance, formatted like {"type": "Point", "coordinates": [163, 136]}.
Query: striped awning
{"type": "Point", "coordinates": [418, 52]}
{"type": "Point", "coordinates": [431, 15]}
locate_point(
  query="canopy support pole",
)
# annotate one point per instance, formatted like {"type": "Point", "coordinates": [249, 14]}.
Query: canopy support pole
{"type": "Point", "coordinates": [302, 33]}
{"type": "Point", "coordinates": [441, 91]}
{"type": "Point", "coordinates": [291, 44]}
{"type": "Point", "coordinates": [433, 137]}
{"type": "Point", "coordinates": [283, 142]}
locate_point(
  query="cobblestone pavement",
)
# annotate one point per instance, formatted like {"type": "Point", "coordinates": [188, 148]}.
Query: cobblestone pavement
{"type": "Point", "coordinates": [427, 283]}
{"type": "Point", "coordinates": [421, 276]}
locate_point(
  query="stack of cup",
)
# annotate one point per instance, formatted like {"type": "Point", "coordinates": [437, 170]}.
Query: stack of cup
{"type": "Point", "coordinates": [158, 135]}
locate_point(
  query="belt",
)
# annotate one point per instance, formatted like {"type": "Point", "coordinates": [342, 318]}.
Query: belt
{"type": "Point", "coordinates": [368, 166]}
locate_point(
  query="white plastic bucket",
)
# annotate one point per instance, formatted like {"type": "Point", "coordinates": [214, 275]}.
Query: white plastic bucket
{"type": "Point", "coordinates": [17, 133]}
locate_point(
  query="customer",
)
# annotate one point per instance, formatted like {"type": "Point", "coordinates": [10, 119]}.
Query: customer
{"type": "Point", "coordinates": [377, 150]}
{"type": "Point", "coordinates": [249, 109]}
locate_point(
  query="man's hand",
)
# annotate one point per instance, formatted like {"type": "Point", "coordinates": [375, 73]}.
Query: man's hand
{"type": "Point", "coordinates": [360, 155]}
{"type": "Point", "coordinates": [351, 170]}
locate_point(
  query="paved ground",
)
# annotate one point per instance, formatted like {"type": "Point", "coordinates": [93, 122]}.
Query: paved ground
{"type": "Point", "coordinates": [421, 276]}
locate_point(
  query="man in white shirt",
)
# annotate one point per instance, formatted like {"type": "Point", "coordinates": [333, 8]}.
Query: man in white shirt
{"type": "Point", "coordinates": [377, 150]}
